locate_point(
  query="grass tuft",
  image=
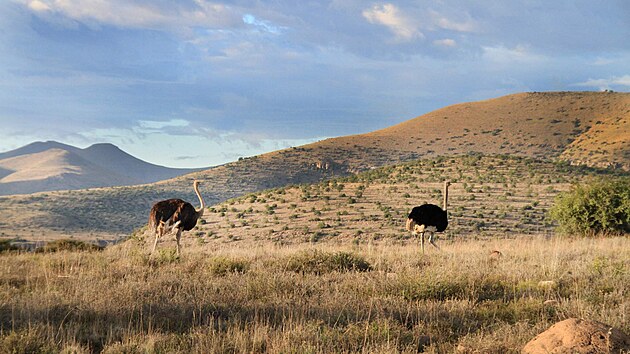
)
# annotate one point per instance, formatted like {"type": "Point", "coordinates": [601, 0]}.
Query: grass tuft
{"type": "Point", "coordinates": [68, 245]}
{"type": "Point", "coordinates": [319, 262]}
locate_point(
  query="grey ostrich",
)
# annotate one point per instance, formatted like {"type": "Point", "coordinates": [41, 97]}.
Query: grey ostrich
{"type": "Point", "coordinates": [429, 218]}
{"type": "Point", "coordinates": [175, 215]}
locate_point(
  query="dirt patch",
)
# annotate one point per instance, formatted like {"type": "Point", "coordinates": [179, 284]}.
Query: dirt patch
{"type": "Point", "coordinates": [579, 336]}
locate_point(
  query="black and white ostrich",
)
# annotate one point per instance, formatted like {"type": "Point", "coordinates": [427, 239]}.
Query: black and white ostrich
{"type": "Point", "coordinates": [174, 215]}
{"type": "Point", "coordinates": [429, 218]}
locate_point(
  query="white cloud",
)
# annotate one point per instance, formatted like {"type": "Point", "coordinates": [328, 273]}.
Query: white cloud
{"type": "Point", "coordinates": [445, 23]}
{"type": "Point", "coordinates": [38, 6]}
{"type": "Point", "coordinates": [448, 42]}
{"type": "Point", "coordinates": [151, 124]}
{"type": "Point", "coordinates": [389, 16]}
{"type": "Point", "coordinates": [501, 54]}
{"type": "Point", "coordinates": [605, 84]}
{"type": "Point", "coordinates": [262, 25]}
{"type": "Point", "coordinates": [125, 13]}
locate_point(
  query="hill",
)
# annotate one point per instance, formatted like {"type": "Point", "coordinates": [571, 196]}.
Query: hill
{"type": "Point", "coordinates": [544, 126]}
{"type": "Point", "coordinates": [581, 128]}
{"type": "Point", "coordinates": [587, 128]}
{"type": "Point", "coordinates": [492, 196]}
{"type": "Point", "coordinates": [49, 166]}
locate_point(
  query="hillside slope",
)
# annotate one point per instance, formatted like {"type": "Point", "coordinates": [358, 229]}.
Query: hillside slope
{"type": "Point", "coordinates": [583, 128]}
{"type": "Point", "coordinates": [547, 126]}
{"type": "Point", "coordinates": [49, 166]}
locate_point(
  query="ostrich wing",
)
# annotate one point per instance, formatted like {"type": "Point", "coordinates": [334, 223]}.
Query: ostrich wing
{"type": "Point", "coordinates": [186, 215]}
{"type": "Point", "coordinates": [429, 215]}
{"type": "Point", "coordinates": [163, 211]}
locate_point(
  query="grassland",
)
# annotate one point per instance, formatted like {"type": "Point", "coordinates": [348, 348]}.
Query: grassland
{"type": "Point", "coordinates": [310, 298]}
{"type": "Point", "coordinates": [328, 267]}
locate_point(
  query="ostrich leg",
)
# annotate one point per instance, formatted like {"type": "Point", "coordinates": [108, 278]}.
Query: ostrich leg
{"type": "Point", "coordinates": [154, 243]}
{"type": "Point", "coordinates": [158, 232]}
{"type": "Point", "coordinates": [422, 241]}
{"type": "Point", "coordinates": [433, 242]}
{"type": "Point", "coordinates": [178, 236]}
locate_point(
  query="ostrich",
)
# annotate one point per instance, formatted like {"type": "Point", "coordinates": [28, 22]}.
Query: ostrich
{"type": "Point", "coordinates": [429, 217]}
{"type": "Point", "coordinates": [174, 215]}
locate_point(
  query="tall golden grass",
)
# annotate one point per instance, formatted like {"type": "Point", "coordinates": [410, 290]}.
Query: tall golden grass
{"type": "Point", "coordinates": [233, 299]}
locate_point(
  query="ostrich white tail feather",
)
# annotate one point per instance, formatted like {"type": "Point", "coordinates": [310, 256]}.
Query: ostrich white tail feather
{"type": "Point", "coordinates": [410, 224]}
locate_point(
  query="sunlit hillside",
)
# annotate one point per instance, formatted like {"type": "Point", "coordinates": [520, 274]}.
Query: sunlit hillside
{"type": "Point", "coordinates": [582, 127]}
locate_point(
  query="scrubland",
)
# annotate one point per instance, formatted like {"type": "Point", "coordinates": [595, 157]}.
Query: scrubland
{"type": "Point", "coordinates": [310, 298]}
{"type": "Point", "coordinates": [328, 267]}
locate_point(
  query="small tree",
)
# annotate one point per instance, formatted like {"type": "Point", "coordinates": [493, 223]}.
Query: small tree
{"type": "Point", "coordinates": [600, 207]}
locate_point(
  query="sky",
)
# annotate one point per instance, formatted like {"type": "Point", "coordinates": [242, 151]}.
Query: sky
{"type": "Point", "coordinates": [196, 83]}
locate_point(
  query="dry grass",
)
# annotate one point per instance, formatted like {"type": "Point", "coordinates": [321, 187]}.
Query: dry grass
{"type": "Point", "coordinates": [327, 267]}
{"type": "Point", "coordinates": [228, 298]}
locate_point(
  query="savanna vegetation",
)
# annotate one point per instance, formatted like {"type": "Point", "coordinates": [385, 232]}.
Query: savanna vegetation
{"type": "Point", "coordinates": [310, 299]}
{"type": "Point", "coordinates": [328, 267]}
{"type": "Point", "coordinates": [599, 207]}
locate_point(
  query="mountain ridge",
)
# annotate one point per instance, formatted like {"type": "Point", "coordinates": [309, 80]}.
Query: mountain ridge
{"type": "Point", "coordinates": [50, 166]}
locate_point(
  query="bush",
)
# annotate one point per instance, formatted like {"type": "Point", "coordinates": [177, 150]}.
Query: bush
{"type": "Point", "coordinates": [26, 341]}
{"type": "Point", "coordinates": [5, 246]}
{"type": "Point", "coordinates": [318, 262]}
{"type": "Point", "coordinates": [222, 266]}
{"type": "Point", "coordinates": [69, 245]}
{"type": "Point", "coordinates": [601, 207]}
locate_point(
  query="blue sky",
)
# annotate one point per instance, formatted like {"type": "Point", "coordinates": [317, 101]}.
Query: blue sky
{"type": "Point", "coordinates": [197, 83]}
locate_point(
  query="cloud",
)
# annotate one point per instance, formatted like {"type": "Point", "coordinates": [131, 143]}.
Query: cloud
{"type": "Point", "coordinates": [390, 16]}
{"type": "Point", "coordinates": [149, 124]}
{"type": "Point", "coordinates": [518, 54]}
{"type": "Point", "coordinates": [448, 42]}
{"type": "Point", "coordinates": [221, 70]}
{"type": "Point", "coordinates": [184, 158]}
{"type": "Point", "coordinates": [459, 26]}
{"type": "Point", "coordinates": [605, 84]}
{"type": "Point", "coordinates": [38, 6]}
{"type": "Point", "coordinates": [265, 26]}
{"type": "Point", "coordinates": [133, 14]}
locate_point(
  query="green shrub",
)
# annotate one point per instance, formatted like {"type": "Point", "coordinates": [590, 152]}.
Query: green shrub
{"type": "Point", "coordinates": [26, 341]}
{"type": "Point", "coordinates": [319, 262]}
{"type": "Point", "coordinates": [601, 207]}
{"type": "Point", "coordinates": [69, 245]}
{"type": "Point", "coordinates": [222, 266]}
{"type": "Point", "coordinates": [5, 245]}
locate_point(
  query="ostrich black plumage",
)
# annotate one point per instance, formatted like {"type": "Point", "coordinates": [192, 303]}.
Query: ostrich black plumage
{"type": "Point", "coordinates": [175, 215]}
{"type": "Point", "coordinates": [429, 217]}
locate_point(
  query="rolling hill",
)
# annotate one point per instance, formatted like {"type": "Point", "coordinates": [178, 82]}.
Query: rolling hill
{"type": "Point", "coordinates": [581, 128]}
{"type": "Point", "coordinates": [49, 166]}
{"type": "Point", "coordinates": [587, 128]}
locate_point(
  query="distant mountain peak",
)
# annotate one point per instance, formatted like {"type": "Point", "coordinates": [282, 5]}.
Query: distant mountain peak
{"type": "Point", "coordinates": [108, 145]}
{"type": "Point", "coordinates": [99, 165]}
{"type": "Point", "coordinates": [103, 147]}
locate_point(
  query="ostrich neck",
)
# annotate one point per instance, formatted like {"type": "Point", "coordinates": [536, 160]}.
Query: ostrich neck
{"type": "Point", "coordinates": [203, 204]}
{"type": "Point", "coordinates": [445, 196]}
